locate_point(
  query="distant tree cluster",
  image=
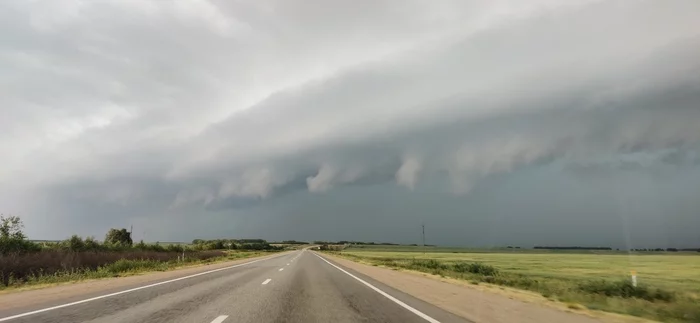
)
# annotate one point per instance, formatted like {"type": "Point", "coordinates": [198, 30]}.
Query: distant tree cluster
{"type": "Point", "coordinates": [292, 242]}
{"type": "Point", "coordinates": [666, 249]}
{"type": "Point", "coordinates": [241, 244]}
{"type": "Point", "coordinates": [358, 243]}
{"type": "Point", "coordinates": [331, 247]}
{"type": "Point", "coordinates": [511, 247]}
{"type": "Point", "coordinates": [572, 248]}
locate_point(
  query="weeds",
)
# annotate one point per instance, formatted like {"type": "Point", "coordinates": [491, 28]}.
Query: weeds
{"type": "Point", "coordinates": [18, 268]}
{"type": "Point", "coordinates": [475, 268]}
{"type": "Point", "coordinates": [625, 289]}
{"type": "Point", "coordinates": [431, 264]}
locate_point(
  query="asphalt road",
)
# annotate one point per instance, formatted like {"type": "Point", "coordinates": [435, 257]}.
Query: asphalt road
{"type": "Point", "coordinates": [294, 287]}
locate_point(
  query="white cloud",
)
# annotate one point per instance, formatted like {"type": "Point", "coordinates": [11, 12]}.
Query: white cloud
{"type": "Point", "coordinates": [407, 175]}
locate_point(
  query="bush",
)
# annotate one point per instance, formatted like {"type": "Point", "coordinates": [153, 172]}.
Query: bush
{"type": "Point", "coordinates": [175, 248]}
{"type": "Point", "coordinates": [75, 243]}
{"type": "Point", "coordinates": [125, 265]}
{"type": "Point", "coordinates": [150, 247]}
{"type": "Point", "coordinates": [475, 268]}
{"type": "Point", "coordinates": [90, 244]}
{"type": "Point", "coordinates": [625, 289]}
{"type": "Point", "coordinates": [429, 264]}
{"type": "Point", "coordinates": [118, 237]}
{"type": "Point", "coordinates": [17, 267]}
{"type": "Point", "coordinates": [8, 246]}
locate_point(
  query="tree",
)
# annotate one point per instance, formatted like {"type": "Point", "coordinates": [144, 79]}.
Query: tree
{"type": "Point", "coordinates": [12, 238]}
{"type": "Point", "coordinates": [11, 228]}
{"type": "Point", "coordinates": [119, 237]}
{"type": "Point", "coordinates": [75, 243]}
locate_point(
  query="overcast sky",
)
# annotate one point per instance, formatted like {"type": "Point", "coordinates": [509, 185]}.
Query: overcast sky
{"type": "Point", "coordinates": [493, 122]}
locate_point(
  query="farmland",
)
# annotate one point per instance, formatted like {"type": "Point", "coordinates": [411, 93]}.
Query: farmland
{"type": "Point", "coordinates": [669, 283]}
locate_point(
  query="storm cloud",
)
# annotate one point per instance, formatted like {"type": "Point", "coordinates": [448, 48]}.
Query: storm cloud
{"type": "Point", "coordinates": [492, 122]}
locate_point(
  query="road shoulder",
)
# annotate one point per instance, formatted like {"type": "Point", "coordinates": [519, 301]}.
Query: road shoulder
{"type": "Point", "coordinates": [480, 303]}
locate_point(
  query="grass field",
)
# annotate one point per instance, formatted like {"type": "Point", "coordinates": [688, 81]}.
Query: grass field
{"type": "Point", "coordinates": [669, 283]}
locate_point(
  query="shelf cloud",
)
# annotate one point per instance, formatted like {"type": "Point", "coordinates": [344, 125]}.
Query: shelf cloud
{"type": "Point", "coordinates": [338, 120]}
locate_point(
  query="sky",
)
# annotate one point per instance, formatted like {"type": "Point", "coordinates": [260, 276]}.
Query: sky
{"type": "Point", "coordinates": [542, 122]}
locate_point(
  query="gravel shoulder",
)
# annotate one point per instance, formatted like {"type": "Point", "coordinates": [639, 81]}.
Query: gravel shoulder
{"type": "Point", "coordinates": [34, 295]}
{"type": "Point", "coordinates": [482, 303]}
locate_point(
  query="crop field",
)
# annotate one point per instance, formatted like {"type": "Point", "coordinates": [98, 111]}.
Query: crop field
{"type": "Point", "coordinates": [668, 290]}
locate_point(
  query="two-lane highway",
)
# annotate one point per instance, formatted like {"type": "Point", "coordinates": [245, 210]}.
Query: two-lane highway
{"type": "Point", "coordinates": [301, 286]}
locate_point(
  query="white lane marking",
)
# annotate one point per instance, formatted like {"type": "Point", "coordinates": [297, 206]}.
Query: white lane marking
{"type": "Point", "coordinates": [287, 264]}
{"type": "Point", "coordinates": [281, 269]}
{"type": "Point", "coordinates": [266, 281]}
{"type": "Point", "coordinates": [392, 298]}
{"type": "Point", "coordinates": [127, 291]}
{"type": "Point", "coordinates": [220, 319]}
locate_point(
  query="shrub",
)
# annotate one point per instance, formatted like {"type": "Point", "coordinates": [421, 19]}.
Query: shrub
{"type": "Point", "coordinates": [150, 247]}
{"type": "Point", "coordinates": [429, 264]}
{"type": "Point", "coordinates": [119, 237]}
{"type": "Point", "coordinates": [174, 248]}
{"type": "Point", "coordinates": [625, 289]}
{"type": "Point", "coordinates": [475, 268]}
{"type": "Point", "coordinates": [75, 243]}
{"type": "Point", "coordinates": [125, 265]}
{"type": "Point", "coordinates": [90, 244]}
{"type": "Point", "coordinates": [17, 267]}
{"type": "Point", "coordinates": [8, 246]}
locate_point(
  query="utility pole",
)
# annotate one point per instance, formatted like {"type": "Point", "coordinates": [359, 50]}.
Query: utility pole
{"type": "Point", "coordinates": [423, 226]}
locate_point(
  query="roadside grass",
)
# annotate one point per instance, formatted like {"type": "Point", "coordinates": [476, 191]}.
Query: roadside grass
{"type": "Point", "coordinates": [120, 268]}
{"type": "Point", "coordinates": [669, 284]}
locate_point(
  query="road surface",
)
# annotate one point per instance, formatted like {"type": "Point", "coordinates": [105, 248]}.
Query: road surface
{"type": "Point", "coordinates": [301, 286]}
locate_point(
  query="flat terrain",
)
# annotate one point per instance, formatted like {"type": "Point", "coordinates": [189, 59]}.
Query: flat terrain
{"type": "Point", "coordinates": [676, 271]}
{"type": "Point", "coordinates": [558, 275]}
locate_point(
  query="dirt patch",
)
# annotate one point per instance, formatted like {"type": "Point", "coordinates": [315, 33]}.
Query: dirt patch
{"type": "Point", "coordinates": [11, 299]}
{"type": "Point", "coordinates": [483, 303]}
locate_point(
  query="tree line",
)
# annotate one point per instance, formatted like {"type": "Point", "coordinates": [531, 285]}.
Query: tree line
{"type": "Point", "coordinates": [666, 249]}
{"type": "Point", "coordinates": [233, 244]}
{"type": "Point", "coordinates": [571, 248]}
{"type": "Point", "coordinates": [13, 240]}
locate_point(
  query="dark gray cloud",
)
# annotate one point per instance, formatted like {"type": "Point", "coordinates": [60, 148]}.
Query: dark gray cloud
{"type": "Point", "coordinates": [494, 122]}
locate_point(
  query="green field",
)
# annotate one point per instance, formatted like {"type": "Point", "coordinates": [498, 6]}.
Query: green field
{"type": "Point", "coordinates": [669, 283]}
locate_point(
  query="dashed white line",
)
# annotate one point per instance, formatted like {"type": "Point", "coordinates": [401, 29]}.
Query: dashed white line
{"type": "Point", "coordinates": [281, 269]}
{"type": "Point", "coordinates": [266, 281]}
{"type": "Point", "coordinates": [127, 291]}
{"type": "Point", "coordinates": [220, 319]}
{"type": "Point", "coordinates": [287, 264]}
{"type": "Point", "coordinates": [392, 298]}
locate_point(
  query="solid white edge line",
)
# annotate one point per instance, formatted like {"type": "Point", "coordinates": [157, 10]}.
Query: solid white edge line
{"type": "Point", "coordinates": [220, 319]}
{"type": "Point", "coordinates": [267, 281]}
{"type": "Point", "coordinates": [127, 291]}
{"type": "Point", "coordinates": [392, 298]}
